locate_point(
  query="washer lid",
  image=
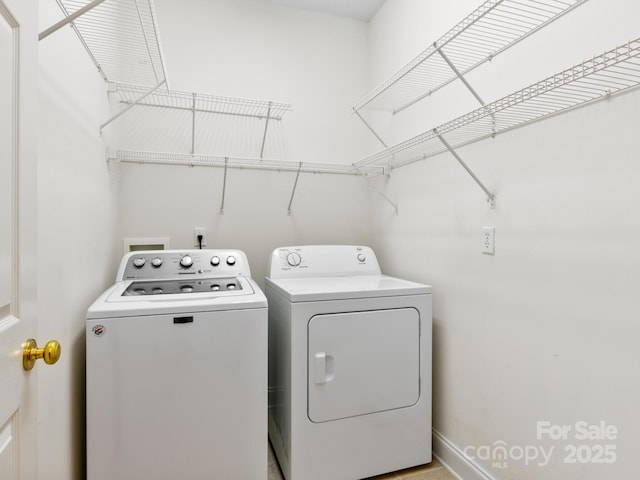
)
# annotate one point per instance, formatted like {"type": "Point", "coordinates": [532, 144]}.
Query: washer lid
{"type": "Point", "coordinates": [337, 288]}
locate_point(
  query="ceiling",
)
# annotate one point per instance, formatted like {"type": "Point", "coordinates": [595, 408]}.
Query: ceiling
{"type": "Point", "coordinates": [363, 10]}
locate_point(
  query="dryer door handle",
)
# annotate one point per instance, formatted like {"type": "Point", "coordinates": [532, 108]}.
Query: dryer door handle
{"type": "Point", "coordinates": [321, 367]}
{"type": "Point", "coordinates": [323, 364]}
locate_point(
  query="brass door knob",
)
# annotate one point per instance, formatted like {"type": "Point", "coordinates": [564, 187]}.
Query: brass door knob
{"type": "Point", "coordinates": [30, 353]}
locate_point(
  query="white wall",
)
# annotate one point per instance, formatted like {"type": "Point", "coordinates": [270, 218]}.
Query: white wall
{"type": "Point", "coordinates": [255, 50]}
{"type": "Point", "coordinates": [545, 329]}
{"type": "Point", "coordinates": [77, 207]}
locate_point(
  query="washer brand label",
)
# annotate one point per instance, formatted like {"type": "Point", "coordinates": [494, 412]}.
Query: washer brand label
{"type": "Point", "coordinates": [98, 330]}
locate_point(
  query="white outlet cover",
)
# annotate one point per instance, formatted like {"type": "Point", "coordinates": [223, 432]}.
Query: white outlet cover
{"type": "Point", "coordinates": [488, 240]}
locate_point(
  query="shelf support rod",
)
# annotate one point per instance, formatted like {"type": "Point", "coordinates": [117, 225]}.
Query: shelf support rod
{"type": "Point", "coordinates": [491, 198]}
{"type": "Point", "coordinates": [131, 105]}
{"type": "Point", "coordinates": [369, 127]}
{"type": "Point", "coordinates": [375, 187]}
{"type": "Point", "coordinates": [146, 41]}
{"type": "Point", "coordinates": [460, 76]}
{"type": "Point", "coordinates": [193, 124]}
{"type": "Point", "coordinates": [224, 184]}
{"type": "Point", "coordinates": [67, 20]}
{"type": "Point", "coordinates": [293, 192]}
{"type": "Point", "coordinates": [266, 126]}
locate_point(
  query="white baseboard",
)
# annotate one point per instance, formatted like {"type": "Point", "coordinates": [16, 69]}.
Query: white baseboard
{"type": "Point", "coordinates": [455, 461]}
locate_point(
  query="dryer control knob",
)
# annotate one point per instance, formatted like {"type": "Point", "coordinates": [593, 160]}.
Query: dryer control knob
{"type": "Point", "coordinates": [139, 262]}
{"type": "Point", "coordinates": [156, 262]}
{"type": "Point", "coordinates": [361, 257]}
{"type": "Point", "coordinates": [186, 261]}
{"type": "Point", "coordinates": [215, 261]}
{"type": "Point", "coordinates": [231, 260]}
{"type": "Point", "coordinates": [294, 259]}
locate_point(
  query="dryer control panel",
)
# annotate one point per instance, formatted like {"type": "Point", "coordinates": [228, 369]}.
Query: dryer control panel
{"type": "Point", "coordinates": [322, 261]}
{"type": "Point", "coordinates": [168, 264]}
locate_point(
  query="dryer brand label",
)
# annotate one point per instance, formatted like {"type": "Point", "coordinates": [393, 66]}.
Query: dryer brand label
{"type": "Point", "coordinates": [98, 330]}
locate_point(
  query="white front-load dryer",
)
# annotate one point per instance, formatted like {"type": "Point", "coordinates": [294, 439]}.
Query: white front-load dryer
{"type": "Point", "coordinates": [349, 365]}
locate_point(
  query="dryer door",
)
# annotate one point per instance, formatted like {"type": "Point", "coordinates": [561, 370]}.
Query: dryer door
{"type": "Point", "coordinates": [362, 362]}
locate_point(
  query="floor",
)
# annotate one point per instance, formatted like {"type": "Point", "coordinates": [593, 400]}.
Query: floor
{"type": "Point", "coordinates": [432, 471]}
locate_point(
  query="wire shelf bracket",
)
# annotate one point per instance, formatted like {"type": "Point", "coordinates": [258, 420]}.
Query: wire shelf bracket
{"type": "Point", "coordinates": [370, 128]}
{"type": "Point", "coordinates": [460, 76]}
{"type": "Point", "coordinates": [68, 19]}
{"type": "Point", "coordinates": [193, 124]}
{"type": "Point", "coordinates": [491, 198]}
{"type": "Point", "coordinates": [131, 105]}
{"type": "Point", "coordinates": [377, 189]}
{"type": "Point", "coordinates": [293, 191]}
{"type": "Point", "coordinates": [224, 185]}
{"type": "Point", "coordinates": [266, 128]}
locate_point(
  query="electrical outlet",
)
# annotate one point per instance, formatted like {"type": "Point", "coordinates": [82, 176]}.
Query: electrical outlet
{"type": "Point", "coordinates": [199, 231]}
{"type": "Point", "coordinates": [488, 237]}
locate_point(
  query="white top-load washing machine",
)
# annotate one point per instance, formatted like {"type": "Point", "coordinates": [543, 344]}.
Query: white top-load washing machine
{"type": "Point", "coordinates": [349, 365]}
{"type": "Point", "coordinates": [177, 370]}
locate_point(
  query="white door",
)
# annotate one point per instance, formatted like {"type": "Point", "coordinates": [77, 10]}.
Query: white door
{"type": "Point", "coordinates": [18, 67]}
{"type": "Point", "coordinates": [363, 362]}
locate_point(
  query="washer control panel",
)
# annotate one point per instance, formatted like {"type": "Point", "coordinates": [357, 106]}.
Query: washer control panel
{"type": "Point", "coordinates": [322, 261]}
{"type": "Point", "coordinates": [166, 264]}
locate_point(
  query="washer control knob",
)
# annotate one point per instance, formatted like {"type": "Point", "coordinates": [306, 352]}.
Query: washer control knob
{"type": "Point", "coordinates": [156, 262]}
{"type": "Point", "coordinates": [186, 261]}
{"type": "Point", "coordinates": [361, 258]}
{"type": "Point", "coordinates": [294, 259]}
{"type": "Point", "coordinates": [215, 261]}
{"type": "Point", "coordinates": [231, 260]}
{"type": "Point", "coordinates": [139, 262]}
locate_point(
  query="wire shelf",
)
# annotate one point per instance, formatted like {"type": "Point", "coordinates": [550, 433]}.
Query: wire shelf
{"type": "Point", "coordinates": [489, 30]}
{"type": "Point", "coordinates": [199, 102]}
{"type": "Point", "coordinates": [243, 163]}
{"type": "Point", "coordinates": [610, 73]}
{"type": "Point", "coordinates": [121, 37]}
